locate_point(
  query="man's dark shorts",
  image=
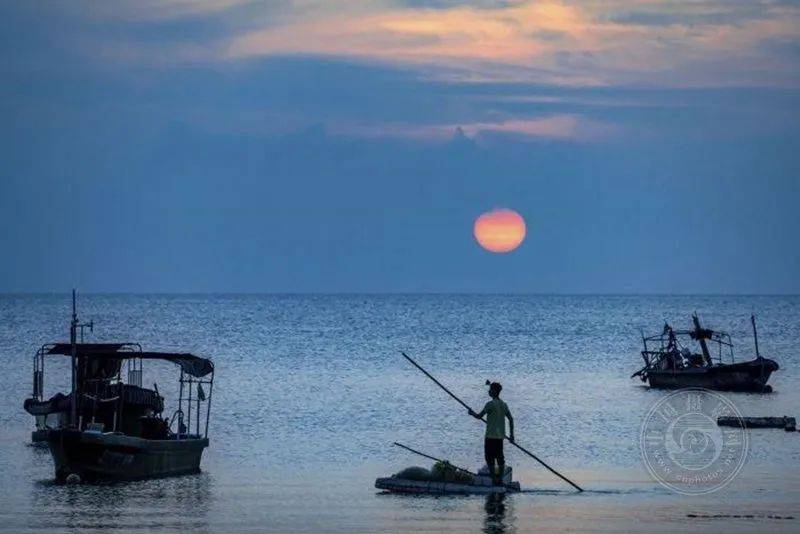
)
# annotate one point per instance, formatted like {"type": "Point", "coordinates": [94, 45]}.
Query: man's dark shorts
{"type": "Point", "coordinates": [493, 450]}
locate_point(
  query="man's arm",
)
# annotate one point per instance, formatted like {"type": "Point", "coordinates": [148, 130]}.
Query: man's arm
{"type": "Point", "coordinates": [477, 415]}
{"type": "Point", "coordinates": [510, 425]}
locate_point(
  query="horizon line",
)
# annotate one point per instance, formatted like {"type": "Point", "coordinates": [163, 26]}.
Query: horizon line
{"type": "Point", "coordinates": [392, 293]}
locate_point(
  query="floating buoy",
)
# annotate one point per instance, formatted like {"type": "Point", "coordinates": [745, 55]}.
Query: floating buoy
{"type": "Point", "coordinates": [73, 478]}
{"type": "Point", "coordinates": [787, 423]}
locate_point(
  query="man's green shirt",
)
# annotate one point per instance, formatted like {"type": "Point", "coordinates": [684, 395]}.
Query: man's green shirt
{"type": "Point", "coordinates": [496, 411]}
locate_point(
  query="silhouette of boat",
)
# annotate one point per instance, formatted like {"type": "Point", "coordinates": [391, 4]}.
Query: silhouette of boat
{"type": "Point", "coordinates": [109, 429]}
{"type": "Point", "coordinates": [670, 363]}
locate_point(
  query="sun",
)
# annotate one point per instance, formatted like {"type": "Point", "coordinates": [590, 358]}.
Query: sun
{"type": "Point", "coordinates": [500, 230]}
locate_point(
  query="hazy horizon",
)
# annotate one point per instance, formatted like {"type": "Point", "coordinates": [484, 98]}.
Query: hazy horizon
{"type": "Point", "coordinates": [386, 293]}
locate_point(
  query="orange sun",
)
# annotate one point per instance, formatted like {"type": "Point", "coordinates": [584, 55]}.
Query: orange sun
{"type": "Point", "coordinates": [500, 230]}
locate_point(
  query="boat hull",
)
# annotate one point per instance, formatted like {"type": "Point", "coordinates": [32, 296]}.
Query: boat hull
{"type": "Point", "coordinates": [39, 436]}
{"type": "Point", "coordinates": [744, 376]}
{"type": "Point", "coordinates": [96, 456]}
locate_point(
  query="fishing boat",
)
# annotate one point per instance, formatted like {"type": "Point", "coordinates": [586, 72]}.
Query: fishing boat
{"type": "Point", "coordinates": [110, 428]}
{"type": "Point", "coordinates": [671, 363]}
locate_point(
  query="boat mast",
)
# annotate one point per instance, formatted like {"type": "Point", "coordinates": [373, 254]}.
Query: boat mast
{"type": "Point", "coordinates": [755, 334]}
{"type": "Point", "coordinates": [701, 336]}
{"type": "Point", "coordinates": [73, 330]}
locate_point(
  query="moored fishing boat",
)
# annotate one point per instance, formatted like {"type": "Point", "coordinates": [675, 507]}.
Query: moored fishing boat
{"type": "Point", "coordinates": [107, 428]}
{"type": "Point", "coordinates": [670, 363]}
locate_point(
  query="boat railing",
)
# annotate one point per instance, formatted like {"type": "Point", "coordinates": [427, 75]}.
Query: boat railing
{"type": "Point", "coordinates": [657, 346]}
{"type": "Point", "coordinates": [192, 395]}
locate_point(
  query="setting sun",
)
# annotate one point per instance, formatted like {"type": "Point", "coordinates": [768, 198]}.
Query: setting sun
{"type": "Point", "coordinates": [500, 230]}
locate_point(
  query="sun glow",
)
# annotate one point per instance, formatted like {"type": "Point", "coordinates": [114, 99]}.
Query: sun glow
{"type": "Point", "coordinates": [500, 230]}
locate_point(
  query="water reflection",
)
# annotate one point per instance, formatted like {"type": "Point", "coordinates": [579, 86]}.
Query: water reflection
{"type": "Point", "coordinates": [171, 503]}
{"type": "Point", "coordinates": [496, 519]}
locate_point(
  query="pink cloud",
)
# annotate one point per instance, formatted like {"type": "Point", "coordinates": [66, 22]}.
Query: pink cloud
{"type": "Point", "coordinates": [564, 42]}
{"type": "Point", "coordinates": [557, 127]}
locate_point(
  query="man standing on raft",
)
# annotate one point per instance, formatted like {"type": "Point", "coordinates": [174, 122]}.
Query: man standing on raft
{"type": "Point", "coordinates": [496, 412]}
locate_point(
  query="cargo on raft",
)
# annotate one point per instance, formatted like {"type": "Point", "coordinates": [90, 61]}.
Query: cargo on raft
{"type": "Point", "coordinates": [445, 479]}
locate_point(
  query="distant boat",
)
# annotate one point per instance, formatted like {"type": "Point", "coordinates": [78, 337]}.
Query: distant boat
{"type": "Point", "coordinates": [671, 363]}
{"type": "Point", "coordinates": [105, 428]}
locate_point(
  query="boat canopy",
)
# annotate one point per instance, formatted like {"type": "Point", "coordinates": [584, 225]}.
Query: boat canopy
{"type": "Point", "coordinates": [189, 363]}
{"type": "Point", "coordinates": [87, 349]}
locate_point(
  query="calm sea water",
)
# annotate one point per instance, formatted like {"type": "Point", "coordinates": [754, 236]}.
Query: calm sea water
{"type": "Point", "coordinates": [311, 392]}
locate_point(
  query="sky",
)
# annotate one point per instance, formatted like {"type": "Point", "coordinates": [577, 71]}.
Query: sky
{"type": "Point", "coordinates": [319, 146]}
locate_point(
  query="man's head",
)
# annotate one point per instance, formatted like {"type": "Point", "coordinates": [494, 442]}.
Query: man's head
{"type": "Point", "coordinates": [494, 389]}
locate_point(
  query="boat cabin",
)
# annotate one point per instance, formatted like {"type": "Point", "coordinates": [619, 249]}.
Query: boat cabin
{"type": "Point", "coordinates": [110, 395]}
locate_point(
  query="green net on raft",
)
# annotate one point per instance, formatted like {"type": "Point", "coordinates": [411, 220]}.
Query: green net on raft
{"type": "Point", "coordinates": [414, 473]}
{"type": "Point", "coordinates": [445, 472]}
{"type": "Point", "coordinates": [440, 472]}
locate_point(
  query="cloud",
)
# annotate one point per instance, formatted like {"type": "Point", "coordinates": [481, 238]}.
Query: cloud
{"type": "Point", "coordinates": [705, 43]}
{"type": "Point", "coordinates": [497, 34]}
{"type": "Point", "coordinates": [143, 10]}
{"type": "Point", "coordinates": [557, 127]}
{"type": "Point", "coordinates": [696, 13]}
{"type": "Point", "coordinates": [578, 43]}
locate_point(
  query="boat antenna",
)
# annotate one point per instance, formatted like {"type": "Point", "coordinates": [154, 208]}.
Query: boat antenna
{"type": "Point", "coordinates": [755, 333]}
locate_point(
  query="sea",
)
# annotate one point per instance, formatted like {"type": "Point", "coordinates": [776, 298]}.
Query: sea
{"type": "Point", "coordinates": [311, 392]}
